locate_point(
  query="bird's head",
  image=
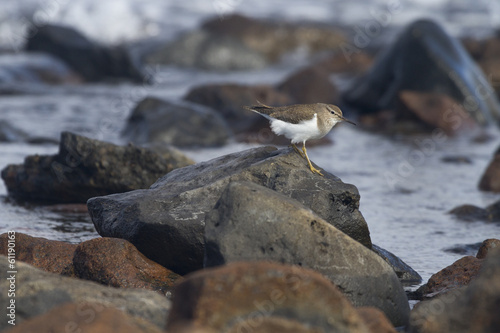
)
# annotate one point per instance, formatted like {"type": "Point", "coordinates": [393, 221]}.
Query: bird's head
{"type": "Point", "coordinates": [337, 113]}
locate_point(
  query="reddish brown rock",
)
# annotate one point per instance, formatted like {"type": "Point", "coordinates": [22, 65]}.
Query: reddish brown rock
{"type": "Point", "coordinates": [310, 85]}
{"type": "Point", "coordinates": [116, 262]}
{"type": "Point", "coordinates": [243, 296]}
{"type": "Point", "coordinates": [438, 110]}
{"type": "Point", "coordinates": [486, 247]}
{"type": "Point", "coordinates": [273, 40]}
{"type": "Point", "coordinates": [84, 317]}
{"type": "Point", "coordinates": [356, 63]}
{"type": "Point", "coordinates": [229, 99]}
{"type": "Point", "coordinates": [487, 54]}
{"type": "Point", "coordinates": [490, 181]}
{"type": "Point", "coordinates": [457, 275]}
{"type": "Point", "coordinates": [375, 320]}
{"type": "Point", "coordinates": [49, 255]}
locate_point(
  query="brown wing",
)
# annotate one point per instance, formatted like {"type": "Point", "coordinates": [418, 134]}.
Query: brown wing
{"type": "Point", "coordinates": [293, 114]}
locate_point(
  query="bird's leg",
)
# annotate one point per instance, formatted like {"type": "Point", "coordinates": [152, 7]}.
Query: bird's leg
{"type": "Point", "coordinates": [313, 169]}
{"type": "Point", "coordinates": [297, 150]}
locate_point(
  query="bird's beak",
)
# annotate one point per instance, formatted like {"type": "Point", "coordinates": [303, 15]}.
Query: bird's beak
{"type": "Point", "coordinates": [348, 121]}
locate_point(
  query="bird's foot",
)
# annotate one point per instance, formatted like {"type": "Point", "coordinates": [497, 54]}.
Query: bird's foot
{"type": "Point", "coordinates": [314, 170]}
{"type": "Point", "coordinates": [297, 150]}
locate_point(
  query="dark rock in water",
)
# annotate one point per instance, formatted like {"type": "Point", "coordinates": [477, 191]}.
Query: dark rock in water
{"type": "Point", "coordinates": [122, 266]}
{"type": "Point", "coordinates": [171, 215]}
{"type": "Point", "coordinates": [209, 51]}
{"type": "Point", "coordinates": [38, 292]}
{"type": "Point", "coordinates": [490, 181]}
{"type": "Point", "coordinates": [261, 297]}
{"type": "Point", "coordinates": [469, 309]}
{"type": "Point", "coordinates": [86, 168]}
{"type": "Point", "coordinates": [251, 222]}
{"type": "Point", "coordinates": [470, 213]}
{"type": "Point", "coordinates": [274, 40]}
{"type": "Point", "coordinates": [35, 68]}
{"type": "Point", "coordinates": [458, 274]}
{"type": "Point", "coordinates": [457, 159]}
{"type": "Point", "coordinates": [70, 316]}
{"type": "Point", "coordinates": [309, 85]}
{"type": "Point", "coordinates": [181, 124]}
{"type": "Point", "coordinates": [50, 255]}
{"type": "Point", "coordinates": [486, 247]}
{"type": "Point", "coordinates": [92, 61]}
{"type": "Point", "coordinates": [229, 99]}
{"type": "Point", "coordinates": [405, 274]}
{"type": "Point", "coordinates": [464, 249]}
{"type": "Point", "coordinates": [9, 133]}
{"type": "Point", "coordinates": [425, 58]}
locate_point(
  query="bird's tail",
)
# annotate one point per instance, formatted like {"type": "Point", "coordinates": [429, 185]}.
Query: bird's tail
{"type": "Point", "coordinates": [261, 108]}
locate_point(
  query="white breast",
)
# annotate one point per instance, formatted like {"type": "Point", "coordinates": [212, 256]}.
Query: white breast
{"type": "Point", "coordinates": [297, 132]}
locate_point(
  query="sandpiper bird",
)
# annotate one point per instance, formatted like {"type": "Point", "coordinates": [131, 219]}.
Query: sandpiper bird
{"type": "Point", "coordinates": [301, 122]}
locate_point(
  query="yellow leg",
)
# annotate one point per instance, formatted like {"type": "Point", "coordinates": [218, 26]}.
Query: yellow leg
{"type": "Point", "coordinates": [298, 150]}
{"type": "Point", "coordinates": [313, 169]}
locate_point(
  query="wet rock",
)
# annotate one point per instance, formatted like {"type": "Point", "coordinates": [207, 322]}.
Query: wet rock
{"type": "Point", "coordinates": [490, 181]}
{"type": "Point", "coordinates": [486, 53]}
{"type": "Point", "coordinates": [85, 317]}
{"type": "Point", "coordinates": [122, 266]}
{"type": "Point", "coordinates": [405, 274]}
{"type": "Point", "coordinates": [38, 291]}
{"type": "Point", "coordinates": [438, 111]}
{"type": "Point", "coordinates": [274, 40]}
{"type": "Point", "coordinates": [229, 99]}
{"type": "Point", "coordinates": [251, 222]}
{"type": "Point", "coordinates": [263, 297]}
{"type": "Point", "coordinates": [375, 320]}
{"type": "Point", "coordinates": [49, 255]}
{"type": "Point", "coordinates": [487, 246]}
{"type": "Point", "coordinates": [457, 159]}
{"type": "Point", "coordinates": [90, 60]}
{"type": "Point", "coordinates": [35, 68]}
{"type": "Point", "coordinates": [85, 168]}
{"type": "Point", "coordinates": [463, 249]}
{"type": "Point", "coordinates": [309, 85]}
{"type": "Point", "coordinates": [425, 59]}
{"type": "Point", "coordinates": [469, 309]}
{"type": "Point", "coordinates": [457, 275]}
{"type": "Point", "coordinates": [9, 133]}
{"type": "Point", "coordinates": [179, 124]}
{"type": "Point", "coordinates": [171, 214]}
{"type": "Point", "coordinates": [470, 213]}
{"type": "Point", "coordinates": [209, 51]}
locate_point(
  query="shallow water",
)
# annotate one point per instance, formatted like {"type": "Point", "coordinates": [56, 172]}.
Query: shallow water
{"type": "Point", "coordinates": [406, 188]}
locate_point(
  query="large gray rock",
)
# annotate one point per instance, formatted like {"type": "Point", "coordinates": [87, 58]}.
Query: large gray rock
{"type": "Point", "coordinates": [181, 124]}
{"type": "Point", "coordinates": [166, 223]}
{"type": "Point", "coordinates": [85, 168]}
{"type": "Point", "coordinates": [251, 222]}
{"type": "Point", "coordinates": [474, 308]}
{"type": "Point", "coordinates": [37, 291]}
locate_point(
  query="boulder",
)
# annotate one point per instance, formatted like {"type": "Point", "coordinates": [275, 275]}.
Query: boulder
{"type": "Point", "coordinates": [469, 309]}
{"type": "Point", "coordinates": [457, 275]}
{"type": "Point", "coordinates": [92, 61]}
{"type": "Point", "coordinates": [166, 222]}
{"type": "Point", "coordinates": [122, 266]}
{"type": "Point", "coordinates": [375, 320]}
{"type": "Point", "coordinates": [487, 246]}
{"type": "Point", "coordinates": [229, 99]}
{"type": "Point", "coordinates": [405, 274]}
{"type": "Point", "coordinates": [309, 85]}
{"type": "Point", "coordinates": [180, 124]}
{"type": "Point", "coordinates": [261, 297]}
{"type": "Point", "coordinates": [209, 51]}
{"type": "Point", "coordinates": [251, 222]}
{"type": "Point", "coordinates": [85, 317]}
{"type": "Point", "coordinates": [37, 292]}
{"type": "Point", "coordinates": [35, 68]}
{"type": "Point", "coordinates": [490, 181]}
{"type": "Point", "coordinates": [85, 168]}
{"type": "Point", "coordinates": [473, 213]}
{"type": "Point", "coordinates": [49, 255]}
{"type": "Point", "coordinates": [275, 39]}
